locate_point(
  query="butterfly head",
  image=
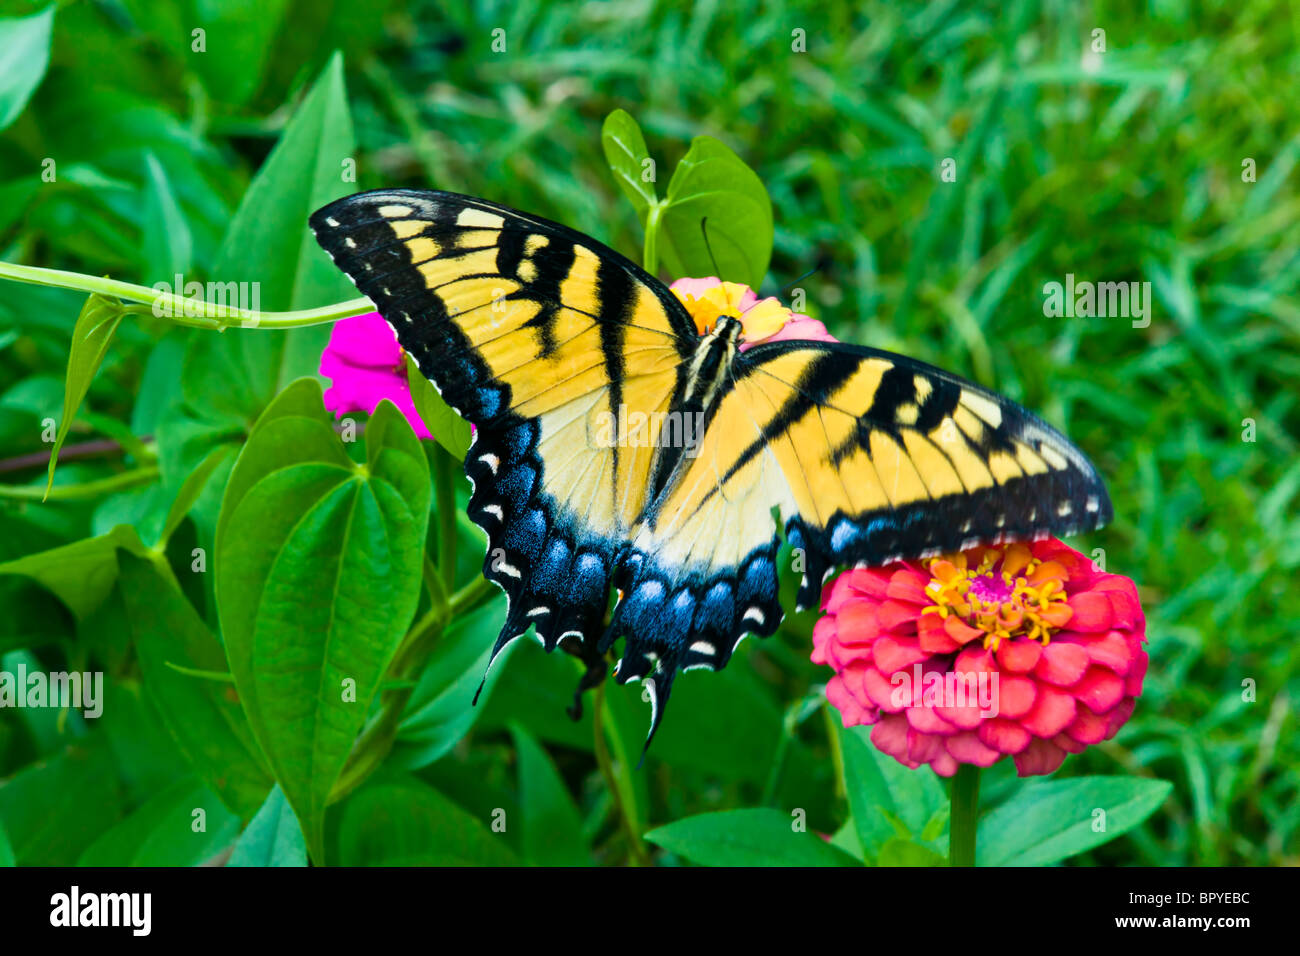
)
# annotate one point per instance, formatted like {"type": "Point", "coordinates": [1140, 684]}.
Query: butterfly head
{"type": "Point", "coordinates": [728, 328]}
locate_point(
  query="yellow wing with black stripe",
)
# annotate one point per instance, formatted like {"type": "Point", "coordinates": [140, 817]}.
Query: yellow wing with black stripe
{"type": "Point", "coordinates": [542, 338]}
{"type": "Point", "coordinates": [868, 457]}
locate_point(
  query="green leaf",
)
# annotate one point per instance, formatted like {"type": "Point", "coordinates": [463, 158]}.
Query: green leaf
{"type": "Point", "coordinates": [268, 240]}
{"type": "Point", "coordinates": [54, 809]}
{"type": "Point", "coordinates": [318, 564]}
{"type": "Point", "coordinates": [184, 825]}
{"type": "Point", "coordinates": [203, 717]}
{"type": "Point", "coordinates": [24, 57]}
{"type": "Point", "coordinates": [95, 326]}
{"type": "Point", "coordinates": [194, 485]}
{"type": "Point", "coordinates": [34, 617]}
{"type": "Point", "coordinates": [898, 852]}
{"type": "Point", "coordinates": [6, 849]}
{"type": "Point", "coordinates": [760, 837]}
{"type": "Point", "coordinates": [168, 246]}
{"type": "Point", "coordinates": [626, 153]}
{"type": "Point", "coordinates": [552, 825]}
{"type": "Point", "coordinates": [239, 34]}
{"type": "Point", "coordinates": [886, 799]}
{"type": "Point", "coordinates": [50, 728]}
{"type": "Point", "coordinates": [712, 184]}
{"type": "Point", "coordinates": [440, 710]}
{"type": "Point", "coordinates": [450, 430]}
{"type": "Point", "coordinates": [846, 838]}
{"type": "Point", "coordinates": [403, 822]}
{"type": "Point", "coordinates": [269, 247]}
{"type": "Point", "coordinates": [80, 574]}
{"type": "Point", "coordinates": [1050, 821]}
{"type": "Point", "coordinates": [273, 838]}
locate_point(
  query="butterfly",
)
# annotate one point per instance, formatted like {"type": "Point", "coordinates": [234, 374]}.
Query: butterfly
{"type": "Point", "coordinates": [616, 446]}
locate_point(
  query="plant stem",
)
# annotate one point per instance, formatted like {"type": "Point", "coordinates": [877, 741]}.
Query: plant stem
{"type": "Point", "coordinates": [444, 487]}
{"type": "Point", "coordinates": [377, 739]}
{"type": "Point", "coordinates": [89, 489]}
{"type": "Point", "coordinates": [620, 788]}
{"type": "Point", "coordinates": [965, 815]}
{"type": "Point", "coordinates": [41, 459]}
{"type": "Point", "coordinates": [650, 253]}
{"type": "Point", "coordinates": [471, 596]}
{"type": "Point", "coordinates": [179, 309]}
{"type": "Point", "coordinates": [837, 754]}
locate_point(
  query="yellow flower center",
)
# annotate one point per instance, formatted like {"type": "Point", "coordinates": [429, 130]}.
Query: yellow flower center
{"type": "Point", "coordinates": [1004, 592]}
{"type": "Point", "coordinates": [762, 319]}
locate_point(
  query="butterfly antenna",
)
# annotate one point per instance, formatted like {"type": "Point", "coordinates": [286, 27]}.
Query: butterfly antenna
{"type": "Point", "coordinates": [708, 248]}
{"type": "Point", "coordinates": [791, 285]}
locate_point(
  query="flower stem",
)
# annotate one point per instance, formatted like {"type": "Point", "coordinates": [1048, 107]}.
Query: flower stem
{"type": "Point", "coordinates": [471, 596]}
{"type": "Point", "coordinates": [616, 779]}
{"type": "Point", "coordinates": [965, 814]}
{"type": "Point", "coordinates": [650, 253]}
{"type": "Point", "coordinates": [194, 312]}
{"type": "Point", "coordinates": [444, 486]}
{"type": "Point", "coordinates": [89, 489]}
{"type": "Point", "coordinates": [380, 734]}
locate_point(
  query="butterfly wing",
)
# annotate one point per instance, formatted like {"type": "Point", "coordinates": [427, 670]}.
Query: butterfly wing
{"type": "Point", "coordinates": [869, 457]}
{"type": "Point", "coordinates": [542, 338]}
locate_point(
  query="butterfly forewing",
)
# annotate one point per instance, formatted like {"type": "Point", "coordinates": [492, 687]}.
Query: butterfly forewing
{"type": "Point", "coordinates": [543, 339]}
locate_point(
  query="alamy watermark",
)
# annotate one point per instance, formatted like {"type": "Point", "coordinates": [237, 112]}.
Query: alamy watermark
{"type": "Point", "coordinates": [82, 690]}
{"type": "Point", "coordinates": [918, 688]}
{"type": "Point", "coordinates": [633, 429]}
{"type": "Point", "coordinates": [216, 299]}
{"type": "Point", "coordinates": [1085, 300]}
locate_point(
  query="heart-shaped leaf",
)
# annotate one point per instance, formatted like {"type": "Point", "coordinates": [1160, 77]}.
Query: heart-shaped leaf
{"type": "Point", "coordinates": [317, 578]}
{"type": "Point", "coordinates": [714, 193]}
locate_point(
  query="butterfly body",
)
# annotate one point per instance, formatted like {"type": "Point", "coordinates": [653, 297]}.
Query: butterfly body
{"type": "Point", "coordinates": [618, 447]}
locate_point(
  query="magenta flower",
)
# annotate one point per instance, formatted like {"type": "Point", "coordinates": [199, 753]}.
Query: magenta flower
{"type": "Point", "coordinates": [365, 365]}
{"type": "Point", "coordinates": [1022, 650]}
{"type": "Point", "coordinates": [762, 320]}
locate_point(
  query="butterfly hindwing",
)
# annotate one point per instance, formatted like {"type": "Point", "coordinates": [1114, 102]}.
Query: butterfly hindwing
{"type": "Point", "coordinates": [542, 338]}
{"type": "Point", "coordinates": [887, 457]}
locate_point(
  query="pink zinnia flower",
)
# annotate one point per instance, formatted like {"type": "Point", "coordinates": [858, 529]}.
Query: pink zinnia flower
{"type": "Point", "coordinates": [365, 365]}
{"type": "Point", "coordinates": [1022, 650]}
{"type": "Point", "coordinates": [763, 320]}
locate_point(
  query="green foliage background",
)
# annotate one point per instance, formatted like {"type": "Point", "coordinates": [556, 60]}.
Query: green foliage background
{"type": "Point", "coordinates": [1123, 166]}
